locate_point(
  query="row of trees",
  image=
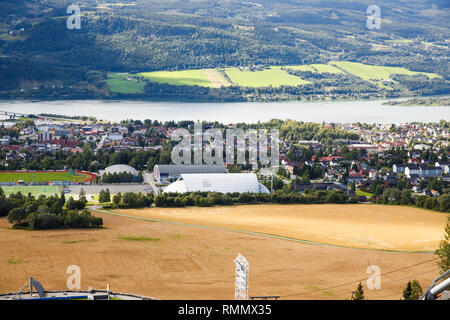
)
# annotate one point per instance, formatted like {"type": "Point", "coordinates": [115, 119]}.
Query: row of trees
{"type": "Point", "coordinates": [395, 196]}
{"type": "Point", "coordinates": [129, 200]}
{"type": "Point", "coordinates": [208, 199]}
{"type": "Point", "coordinates": [121, 177]}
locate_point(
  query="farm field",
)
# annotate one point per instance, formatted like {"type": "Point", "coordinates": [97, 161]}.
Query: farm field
{"type": "Point", "coordinates": [274, 77]}
{"type": "Point", "coordinates": [118, 82]}
{"type": "Point", "coordinates": [42, 176]}
{"type": "Point", "coordinates": [370, 73]}
{"type": "Point", "coordinates": [367, 226]}
{"type": "Point", "coordinates": [34, 190]}
{"type": "Point", "coordinates": [301, 68]}
{"type": "Point", "coordinates": [169, 261]}
{"type": "Point", "coordinates": [317, 67]}
{"type": "Point", "coordinates": [216, 78]}
{"type": "Point", "coordinates": [194, 77]}
{"type": "Point", "coordinates": [322, 68]}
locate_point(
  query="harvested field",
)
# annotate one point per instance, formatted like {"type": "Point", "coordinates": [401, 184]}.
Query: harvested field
{"type": "Point", "coordinates": [197, 263]}
{"type": "Point", "coordinates": [368, 226]}
{"type": "Point", "coordinates": [217, 80]}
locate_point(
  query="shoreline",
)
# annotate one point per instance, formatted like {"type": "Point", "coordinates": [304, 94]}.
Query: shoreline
{"type": "Point", "coordinates": [143, 99]}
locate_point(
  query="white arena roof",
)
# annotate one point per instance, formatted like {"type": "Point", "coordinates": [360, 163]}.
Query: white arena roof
{"type": "Point", "coordinates": [217, 182]}
{"type": "Point", "coordinates": [119, 168]}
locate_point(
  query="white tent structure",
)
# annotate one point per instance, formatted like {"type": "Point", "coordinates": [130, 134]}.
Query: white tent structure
{"type": "Point", "coordinates": [217, 182]}
{"type": "Point", "coordinates": [119, 168]}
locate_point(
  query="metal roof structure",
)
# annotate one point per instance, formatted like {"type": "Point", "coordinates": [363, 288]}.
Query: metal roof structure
{"type": "Point", "coordinates": [175, 170]}
{"type": "Point", "coordinates": [217, 182]}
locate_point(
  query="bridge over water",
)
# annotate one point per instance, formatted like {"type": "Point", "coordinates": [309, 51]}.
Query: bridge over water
{"type": "Point", "coordinates": [13, 115]}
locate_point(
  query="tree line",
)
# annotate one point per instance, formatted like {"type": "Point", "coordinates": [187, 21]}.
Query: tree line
{"type": "Point", "coordinates": [29, 212]}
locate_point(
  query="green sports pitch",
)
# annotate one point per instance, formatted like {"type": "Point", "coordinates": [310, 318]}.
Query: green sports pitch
{"type": "Point", "coordinates": [34, 190]}
{"type": "Point", "coordinates": [43, 176]}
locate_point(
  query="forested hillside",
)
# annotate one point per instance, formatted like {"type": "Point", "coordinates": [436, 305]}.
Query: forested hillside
{"type": "Point", "coordinates": [148, 35]}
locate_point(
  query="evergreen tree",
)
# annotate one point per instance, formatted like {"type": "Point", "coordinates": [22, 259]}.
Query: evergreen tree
{"type": "Point", "coordinates": [359, 293]}
{"type": "Point", "coordinates": [443, 252]}
{"type": "Point", "coordinates": [101, 196]}
{"type": "Point", "coordinates": [107, 195]}
{"type": "Point", "coordinates": [413, 290]}
{"type": "Point", "coordinates": [82, 195]}
{"type": "Point", "coordinates": [71, 205]}
{"type": "Point", "coordinates": [117, 199]}
{"type": "Point", "coordinates": [62, 199]}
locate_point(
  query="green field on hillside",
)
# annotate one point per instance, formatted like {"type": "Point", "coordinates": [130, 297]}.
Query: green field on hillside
{"type": "Point", "coordinates": [398, 41]}
{"type": "Point", "coordinates": [301, 68]}
{"type": "Point", "coordinates": [316, 67]}
{"type": "Point", "coordinates": [274, 77]}
{"type": "Point", "coordinates": [41, 176]}
{"type": "Point", "coordinates": [118, 82]}
{"type": "Point", "coordinates": [372, 73]}
{"type": "Point", "coordinates": [186, 77]}
{"type": "Point", "coordinates": [322, 68]}
{"type": "Point", "coordinates": [34, 190]}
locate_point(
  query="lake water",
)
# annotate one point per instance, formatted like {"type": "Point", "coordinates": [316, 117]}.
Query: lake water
{"type": "Point", "coordinates": [338, 112]}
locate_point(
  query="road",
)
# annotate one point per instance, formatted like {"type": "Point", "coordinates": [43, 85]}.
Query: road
{"type": "Point", "coordinates": [148, 179]}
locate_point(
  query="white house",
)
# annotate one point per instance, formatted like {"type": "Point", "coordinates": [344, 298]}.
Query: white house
{"type": "Point", "coordinates": [411, 169]}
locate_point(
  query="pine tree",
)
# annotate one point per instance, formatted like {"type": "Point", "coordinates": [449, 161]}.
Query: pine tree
{"type": "Point", "coordinates": [101, 196]}
{"type": "Point", "coordinates": [443, 252]}
{"type": "Point", "coordinates": [62, 198]}
{"type": "Point", "coordinates": [413, 290]}
{"type": "Point", "coordinates": [359, 293]}
{"type": "Point", "coordinates": [117, 199]}
{"type": "Point", "coordinates": [82, 195]}
{"type": "Point", "coordinates": [107, 195]}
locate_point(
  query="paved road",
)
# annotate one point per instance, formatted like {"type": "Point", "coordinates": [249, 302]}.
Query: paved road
{"type": "Point", "coordinates": [148, 179]}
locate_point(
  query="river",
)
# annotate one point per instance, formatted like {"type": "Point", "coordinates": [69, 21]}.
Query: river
{"type": "Point", "coordinates": [372, 111]}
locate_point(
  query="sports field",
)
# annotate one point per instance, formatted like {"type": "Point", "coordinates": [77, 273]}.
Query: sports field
{"type": "Point", "coordinates": [274, 77]}
{"type": "Point", "coordinates": [118, 82]}
{"type": "Point", "coordinates": [34, 190]}
{"type": "Point", "coordinates": [170, 261]}
{"type": "Point", "coordinates": [368, 226]}
{"type": "Point", "coordinates": [44, 176]}
{"type": "Point", "coordinates": [368, 72]}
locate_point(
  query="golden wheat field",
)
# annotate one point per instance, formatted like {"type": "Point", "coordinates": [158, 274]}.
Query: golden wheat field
{"type": "Point", "coordinates": [368, 226]}
{"type": "Point", "coordinates": [168, 261]}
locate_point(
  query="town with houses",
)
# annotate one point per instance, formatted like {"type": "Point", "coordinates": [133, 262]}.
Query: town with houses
{"type": "Point", "coordinates": [416, 152]}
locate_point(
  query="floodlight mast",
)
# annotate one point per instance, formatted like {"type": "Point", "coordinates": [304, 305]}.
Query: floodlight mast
{"type": "Point", "coordinates": [241, 284]}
